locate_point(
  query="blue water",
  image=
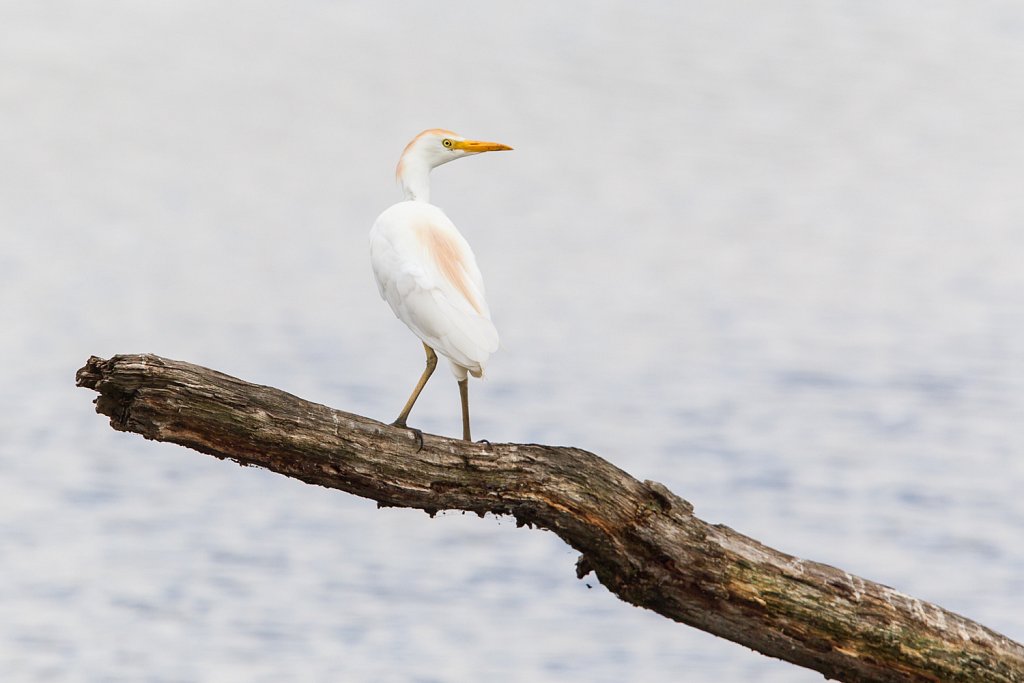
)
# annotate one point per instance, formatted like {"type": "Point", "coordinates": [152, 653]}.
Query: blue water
{"type": "Point", "coordinates": [770, 256]}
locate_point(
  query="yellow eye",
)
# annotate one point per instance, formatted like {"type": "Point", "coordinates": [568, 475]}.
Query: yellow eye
{"type": "Point", "coordinates": [447, 143]}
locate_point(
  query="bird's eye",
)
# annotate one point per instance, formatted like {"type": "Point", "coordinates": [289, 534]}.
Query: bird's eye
{"type": "Point", "coordinates": [447, 143]}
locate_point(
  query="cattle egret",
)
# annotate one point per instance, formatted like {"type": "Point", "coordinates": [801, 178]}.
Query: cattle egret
{"type": "Point", "coordinates": [427, 273]}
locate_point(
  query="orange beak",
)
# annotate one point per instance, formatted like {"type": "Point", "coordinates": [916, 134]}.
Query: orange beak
{"type": "Point", "coordinates": [475, 146]}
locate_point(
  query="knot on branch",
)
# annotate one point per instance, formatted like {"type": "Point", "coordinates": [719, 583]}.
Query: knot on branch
{"type": "Point", "coordinates": [667, 500]}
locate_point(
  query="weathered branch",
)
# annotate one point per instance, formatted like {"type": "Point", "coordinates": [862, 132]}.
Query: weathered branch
{"type": "Point", "coordinates": [642, 541]}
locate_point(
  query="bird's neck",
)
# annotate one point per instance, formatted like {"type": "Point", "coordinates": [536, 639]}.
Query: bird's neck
{"type": "Point", "coordinates": [414, 177]}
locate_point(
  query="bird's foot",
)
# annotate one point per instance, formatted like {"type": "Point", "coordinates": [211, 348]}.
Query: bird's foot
{"type": "Point", "coordinates": [418, 434]}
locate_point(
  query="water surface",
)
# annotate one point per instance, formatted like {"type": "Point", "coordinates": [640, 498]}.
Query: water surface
{"type": "Point", "coordinates": [768, 256]}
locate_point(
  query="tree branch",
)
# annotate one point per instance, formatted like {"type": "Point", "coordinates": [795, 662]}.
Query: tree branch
{"type": "Point", "coordinates": [640, 539]}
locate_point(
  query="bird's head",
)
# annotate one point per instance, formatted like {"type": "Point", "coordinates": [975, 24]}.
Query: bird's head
{"type": "Point", "coordinates": [434, 147]}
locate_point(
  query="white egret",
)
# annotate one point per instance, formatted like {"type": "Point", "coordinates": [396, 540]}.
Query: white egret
{"type": "Point", "coordinates": [427, 273]}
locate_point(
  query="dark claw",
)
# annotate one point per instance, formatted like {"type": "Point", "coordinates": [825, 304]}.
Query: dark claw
{"type": "Point", "coordinates": [418, 433]}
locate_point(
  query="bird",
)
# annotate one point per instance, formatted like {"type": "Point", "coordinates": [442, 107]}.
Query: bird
{"type": "Point", "coordinates": [427, 272]}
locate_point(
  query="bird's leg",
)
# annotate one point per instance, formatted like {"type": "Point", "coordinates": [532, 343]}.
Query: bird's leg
{"type": "Point", "coordinates": [431, 364]}
{"type": "Point", "coordinates": [464, 395]}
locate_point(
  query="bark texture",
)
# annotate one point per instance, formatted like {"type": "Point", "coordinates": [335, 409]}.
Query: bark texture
{"type": "Point", "coordinates": [641, 540]}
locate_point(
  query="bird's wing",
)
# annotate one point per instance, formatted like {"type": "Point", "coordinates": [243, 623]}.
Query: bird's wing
{"type": "Point", "coordinates": [427, 273]}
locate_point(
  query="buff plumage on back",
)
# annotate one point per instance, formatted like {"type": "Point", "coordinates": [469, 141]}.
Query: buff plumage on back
{"type": "Point", "coordinates": [451, 262]}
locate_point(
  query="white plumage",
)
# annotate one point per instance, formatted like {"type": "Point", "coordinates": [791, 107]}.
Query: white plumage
{"type": "Point", "coordinates": [426, 270]}
{"type": "Point", "coordinates": [450, 317]}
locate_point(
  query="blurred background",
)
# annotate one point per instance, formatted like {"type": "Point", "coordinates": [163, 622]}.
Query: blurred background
{"type": "Point", "coordinates": [769, 254]}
